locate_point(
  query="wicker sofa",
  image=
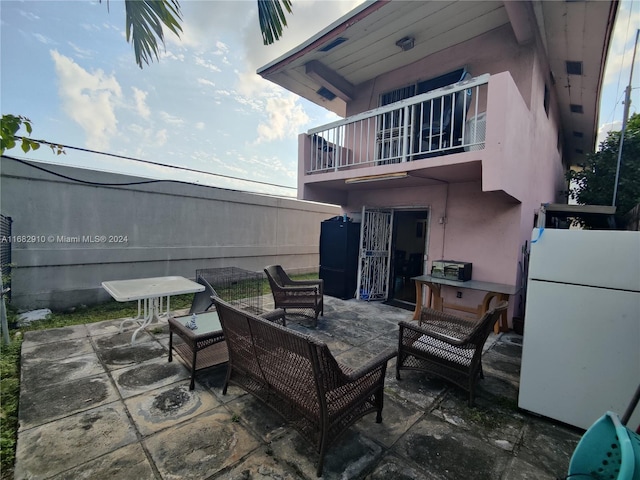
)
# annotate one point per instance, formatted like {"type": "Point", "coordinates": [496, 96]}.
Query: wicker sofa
{"type": "Point", "coordinates": [298, 377]}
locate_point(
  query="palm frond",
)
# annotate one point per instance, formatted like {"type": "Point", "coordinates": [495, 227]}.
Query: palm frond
{"type": "Point", "coordinates": [272, 19]}
{"type": "Point", "coordinates": [145, 20]}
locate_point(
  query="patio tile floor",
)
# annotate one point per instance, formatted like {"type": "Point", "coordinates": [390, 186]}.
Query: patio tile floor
{"type": "Point", "coordinates": [92, 407]}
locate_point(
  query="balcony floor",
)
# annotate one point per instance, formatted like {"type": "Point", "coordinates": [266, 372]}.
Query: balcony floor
{"type": "Point", "coordinates": [92, 406]}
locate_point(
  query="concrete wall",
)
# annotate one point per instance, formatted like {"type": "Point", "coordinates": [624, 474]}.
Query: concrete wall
{"type": "Point", "coordinates": [71, 236]}
{"type": "Point", "coordinates": [477, 227]}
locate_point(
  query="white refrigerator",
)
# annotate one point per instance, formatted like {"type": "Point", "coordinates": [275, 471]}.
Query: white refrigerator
{"type": "Point", "coordinates": [581, 343]}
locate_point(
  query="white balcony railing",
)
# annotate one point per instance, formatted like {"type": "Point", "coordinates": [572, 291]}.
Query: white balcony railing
{"type": "Point", "coordinates": [446, 120]}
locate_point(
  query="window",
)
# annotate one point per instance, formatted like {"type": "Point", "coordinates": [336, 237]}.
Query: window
{"type": "Point", "coordinates": [390, 125]}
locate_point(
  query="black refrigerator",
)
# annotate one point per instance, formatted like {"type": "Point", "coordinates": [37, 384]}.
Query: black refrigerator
{"type": "Point", "coordinates": [339, 241]}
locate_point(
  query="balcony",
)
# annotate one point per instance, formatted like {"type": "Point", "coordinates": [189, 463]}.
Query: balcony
{"type": "Point", "coordinates": [494, 137]}
{"type": "Point", "coordinates": [441, 122]}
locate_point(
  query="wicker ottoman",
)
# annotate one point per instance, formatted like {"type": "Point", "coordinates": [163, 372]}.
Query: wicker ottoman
{"type": "Point", "coordinates": [203, 347]}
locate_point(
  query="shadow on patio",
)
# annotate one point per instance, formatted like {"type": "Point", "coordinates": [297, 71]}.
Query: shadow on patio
{"type": "Point", "coordinates": [92, 406]}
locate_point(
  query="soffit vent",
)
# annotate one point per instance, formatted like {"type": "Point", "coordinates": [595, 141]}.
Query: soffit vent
{"type": "Point", "coordinates": [326, 93]}
{"type": "Point", "coordinates": [578, 134]}
{"type": "Point", "coordinates": [576, 108]}
{"type": "Point", "coordinates": [574, 68]}
{"type": "Point", "coordinates": [332, 44]}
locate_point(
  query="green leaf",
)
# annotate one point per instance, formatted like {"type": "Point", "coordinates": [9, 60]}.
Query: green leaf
{"type": "Point", "coordinates": [272, 19]}
{"type": "Point", "coordinates": [144, 25]}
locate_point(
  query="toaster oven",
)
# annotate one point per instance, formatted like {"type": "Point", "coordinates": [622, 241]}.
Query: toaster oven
{"type": "Point", "coordinates": [451, 270]}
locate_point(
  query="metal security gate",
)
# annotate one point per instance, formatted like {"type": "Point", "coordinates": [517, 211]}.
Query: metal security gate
{"type": "Point", "coordinates": [375, 254]}
{"type": "Point", "coordinates": [5, 251]}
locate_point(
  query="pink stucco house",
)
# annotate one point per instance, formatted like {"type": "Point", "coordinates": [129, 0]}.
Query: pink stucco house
{"type": "Point", "coordinates": [460, 119]}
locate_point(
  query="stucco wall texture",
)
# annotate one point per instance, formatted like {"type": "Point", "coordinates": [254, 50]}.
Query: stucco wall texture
{"type": "Point", "coordinates": [77, 235]}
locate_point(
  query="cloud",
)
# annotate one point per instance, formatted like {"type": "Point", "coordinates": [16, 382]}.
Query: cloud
{"type": "Point", "coordinates": [205, 82]}
{"type": "Point", "coordinates": [171, 119]}
{"type": "Point", "coordinates": [166, 55]}
{"type": "Point", "coordinates": [605, 128]}
{"type": "Point", "coordinates": [285, 114]}
{"type": "Point", "coordinates": [140, 98]}
{"type": "Point", "coordinates": [147, 136]}
{"type": "Point", "coordinates": [203, 63]}
{"type": "Point", "coordinates": [204, 23]}
{"type": "Point", "coordinates": [89, 99]}
{"type": "Point", "coordinates": [90, 27]}
{"type": "Point", "coordinates": [29, 15]}
{"type": "Point", "coordinates": [222, 48]}
{"type": "Point", "coordinates": [42, 39]}
{"type": "Point", "coordinates": [285, 119]}
{"type": "Point", "coordinates": [80, 52]}
{"type": "Point", "coordinates": [161, 137]}
{"type": "Point", "coordinates": [621, 50]}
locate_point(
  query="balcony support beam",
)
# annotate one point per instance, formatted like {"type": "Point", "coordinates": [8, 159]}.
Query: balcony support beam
{"type": "Point", "coordinates": [330, 80]}
{"type": "Point", "coordinates": [520, 16]}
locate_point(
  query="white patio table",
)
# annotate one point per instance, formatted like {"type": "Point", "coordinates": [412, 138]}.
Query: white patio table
{"type": "Point", "coordinates": [150, 294]}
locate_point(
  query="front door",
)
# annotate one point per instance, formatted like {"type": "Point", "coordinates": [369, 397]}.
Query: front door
{"type": "Point", "coordinates": [375, 254]}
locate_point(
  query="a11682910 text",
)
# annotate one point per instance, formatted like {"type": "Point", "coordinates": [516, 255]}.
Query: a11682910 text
{"type": "Point", "coordinates": [64, 239]}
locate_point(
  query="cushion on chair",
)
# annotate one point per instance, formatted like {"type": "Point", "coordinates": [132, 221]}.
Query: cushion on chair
{"type": "Point", "coordinates": [440, 349]}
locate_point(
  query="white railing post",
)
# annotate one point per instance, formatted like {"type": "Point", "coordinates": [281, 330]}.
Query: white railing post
{"type": "Point", "coordinates": [405, 135]}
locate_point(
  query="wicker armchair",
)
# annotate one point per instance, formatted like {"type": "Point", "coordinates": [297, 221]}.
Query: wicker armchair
{"type": "Point", "coordinates": [299, 378]}
{"type": "Point", "coordinates": [447, 346]}
{"type": "Point", "coordinates": [306, 295]}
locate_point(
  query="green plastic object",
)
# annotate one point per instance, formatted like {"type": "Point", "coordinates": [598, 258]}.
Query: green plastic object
{"type": "Point", "coordinates": [607, 451]}
{"type": "Point", "coordinates": [635, 444]}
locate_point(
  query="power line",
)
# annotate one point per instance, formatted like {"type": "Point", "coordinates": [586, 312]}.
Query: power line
{"type": "Point", "coordinates": [121, 184]}
{"type": "Point", "coordinates": [158, 164]}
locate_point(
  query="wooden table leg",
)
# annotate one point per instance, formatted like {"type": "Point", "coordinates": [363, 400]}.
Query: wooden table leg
{"type": "Point", "coordinates": [434, 298]}
{"type": "Point", "coordinates": [416, 312]}
{"type": "Point", "coordinates": [503, 325]}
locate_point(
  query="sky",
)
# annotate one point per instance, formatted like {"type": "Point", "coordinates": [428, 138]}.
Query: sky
{"type": "Point", "coordinates": [66, 66]}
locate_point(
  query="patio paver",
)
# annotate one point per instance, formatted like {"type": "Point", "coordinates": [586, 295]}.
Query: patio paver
{"type": "Point", "coordinates": [107, 409]}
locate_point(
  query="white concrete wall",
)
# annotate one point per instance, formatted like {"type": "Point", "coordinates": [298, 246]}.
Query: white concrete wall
{"type": "Point", "coordinates": [170, 228]}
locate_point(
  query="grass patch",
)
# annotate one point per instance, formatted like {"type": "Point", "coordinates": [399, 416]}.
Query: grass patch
{"type": "Point", "coordinates": [9, 395]}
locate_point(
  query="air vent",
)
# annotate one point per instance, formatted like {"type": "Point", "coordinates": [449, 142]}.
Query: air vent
{"type": "Point", "coordinates": [333, 44]}
{"type": "Point", "coordinates": [574, 68]}
{"type": "Point", "coordinates": [579, 150]}
{"type": "Point", "coordinates": [326, 93]}
{"type": "Point", "coordinates": [576, 108]}
{"type": "Point", "coordinates": [578, 134]}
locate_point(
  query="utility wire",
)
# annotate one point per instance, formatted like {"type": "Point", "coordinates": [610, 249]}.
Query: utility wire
{"type": "Point", "coordinates": [123, 184]}
{"type": "Point", "coordinates": [625, 116]}
{"type": "Point", "coordinates": [149, 162]}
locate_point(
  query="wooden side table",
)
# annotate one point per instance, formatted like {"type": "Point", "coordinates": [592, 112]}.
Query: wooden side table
{"type": "Point", "coordinates": [203, 347]}
{"type": "Point", "coordinates": [434, 299]}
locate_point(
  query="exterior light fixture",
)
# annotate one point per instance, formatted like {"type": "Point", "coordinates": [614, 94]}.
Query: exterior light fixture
{"type": "Point", "coordinates": [377, 178]}
{"type": "Point", "coordinates": [406, 43]}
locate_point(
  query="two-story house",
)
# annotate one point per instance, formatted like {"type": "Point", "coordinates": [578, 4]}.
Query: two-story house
{"type": "Point", "coordinates": [460, 120]}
